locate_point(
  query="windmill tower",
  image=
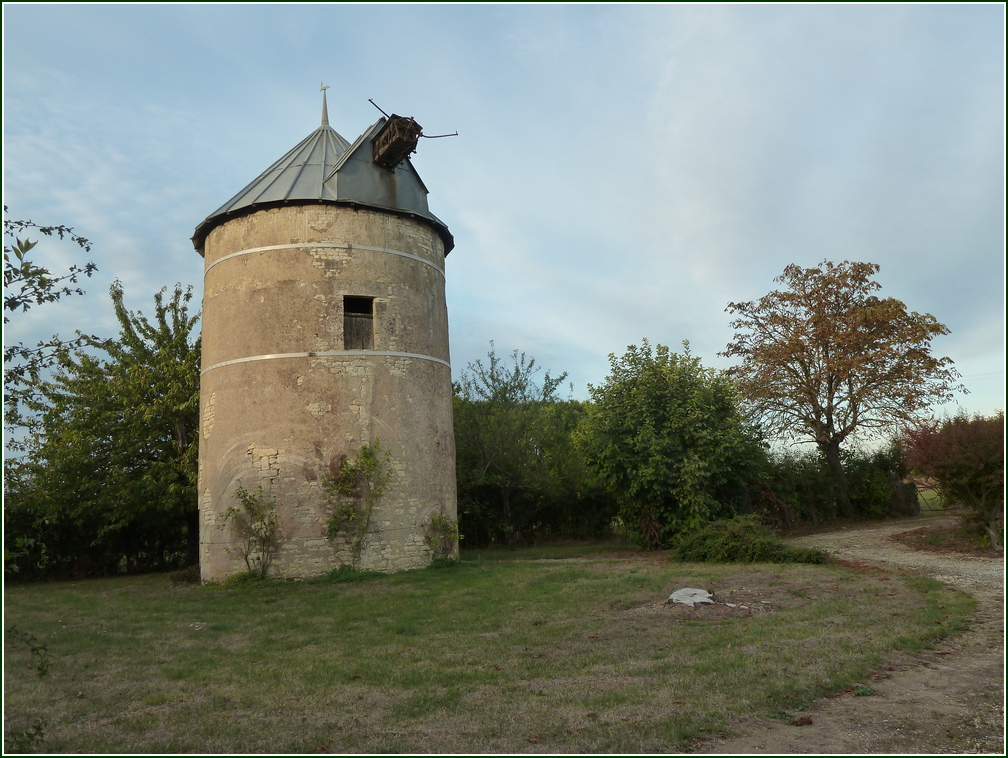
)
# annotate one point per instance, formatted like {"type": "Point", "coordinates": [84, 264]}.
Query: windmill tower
{"type": "Point", "coordinates": [325, 329]}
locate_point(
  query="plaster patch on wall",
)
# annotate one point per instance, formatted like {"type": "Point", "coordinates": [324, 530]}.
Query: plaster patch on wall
{"type": "Point", "coordinates": [305, 512]}
{"type": "Point", "coordinates": [399, 366]}
{"type": "Point", "coordinates": [209, 515]}
{"type": "Point", "coordinates": [329, 259]}
{"type": "Point", "coordinates": [266, 462]}
{"type": "Point", "coordinates": [208, 415]}
{"type": "Point", "coordinates": [318, 408]}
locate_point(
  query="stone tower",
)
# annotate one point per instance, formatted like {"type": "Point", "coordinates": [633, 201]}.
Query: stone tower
{"type": "Point", "coordinates": [325, 328]}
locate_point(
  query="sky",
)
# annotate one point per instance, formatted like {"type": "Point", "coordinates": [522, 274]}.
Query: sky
{"type": "Point", "coordinates": [621, 171]}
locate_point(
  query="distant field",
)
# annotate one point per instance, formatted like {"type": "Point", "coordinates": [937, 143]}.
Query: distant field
{"type": "Point", "coordinates": [930, 500]}
{"type": "Point", "coordinates": [500, 654]}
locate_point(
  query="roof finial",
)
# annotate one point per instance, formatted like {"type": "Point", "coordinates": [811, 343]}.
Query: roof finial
{"type": "Point", "coordinates": [325, 109]}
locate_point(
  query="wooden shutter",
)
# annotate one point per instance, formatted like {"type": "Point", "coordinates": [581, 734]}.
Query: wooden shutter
{"type": "Point", "coordinates": [358, 323]}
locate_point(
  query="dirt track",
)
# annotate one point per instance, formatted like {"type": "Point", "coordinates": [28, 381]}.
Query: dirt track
{"type": "Point", "coordinates": [949, 700]}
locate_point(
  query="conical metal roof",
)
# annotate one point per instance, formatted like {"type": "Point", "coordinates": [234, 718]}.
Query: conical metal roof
{"type": "Point", "coordinates": [298, 175]}
{"type": "Point", "coordinates": [325, 168]}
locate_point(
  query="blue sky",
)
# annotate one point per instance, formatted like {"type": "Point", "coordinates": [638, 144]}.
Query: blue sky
{"type": "Point", "coordinates": [621, 171]}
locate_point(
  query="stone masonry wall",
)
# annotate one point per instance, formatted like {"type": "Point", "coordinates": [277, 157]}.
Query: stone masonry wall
{"type": "Point", "coordinates": [282, 401]}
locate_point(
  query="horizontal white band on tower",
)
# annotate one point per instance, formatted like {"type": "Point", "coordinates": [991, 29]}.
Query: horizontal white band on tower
{"type": "Point", "coordinates": [327, 245]}
{"type": "Point", "coordinates": [328, 354]}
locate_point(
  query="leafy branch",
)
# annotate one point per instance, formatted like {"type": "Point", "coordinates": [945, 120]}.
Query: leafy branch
{"type": "Point", "coordinates": [258, 528]}
{"type": "Point", "coordinates": [27, 284]}
{"type": "Point", "coordinates": [443, 535]}
{"type": "Point", "coordinates": [356, 487]}
{"type": "Point", "coordinates": [39, 652]}
{"type": "Point", "coordinates": [20, 740]}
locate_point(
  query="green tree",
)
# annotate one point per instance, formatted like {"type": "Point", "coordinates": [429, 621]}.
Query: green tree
{"type": "Point", "coordinates": [27, 284]}
{"type": "Point", "coordinates": [824, 358]}
{"type": "Point", "coordinates": [109, 478]}
{"type": "Point", "coordinates": [499, 441]}
{"type": "Point", "coordinates": [574, 504]}
{"type": "Point", "coordinates": [667, 438]}
{"type": "Point", "coordinates": [965, 456]}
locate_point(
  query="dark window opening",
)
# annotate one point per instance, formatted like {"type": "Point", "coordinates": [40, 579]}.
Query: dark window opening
{"type": "Point", "coordinates": [358, 323]}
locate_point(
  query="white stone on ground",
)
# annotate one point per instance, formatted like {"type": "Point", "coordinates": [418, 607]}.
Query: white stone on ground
{"type": "Point", "coordinates": [691, 597]}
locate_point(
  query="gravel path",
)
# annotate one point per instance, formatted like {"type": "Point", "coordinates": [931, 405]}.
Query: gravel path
{"type": "Point", "coordinates": [949, 700]}
{"type": "Point", "coordinates": [981, 577]}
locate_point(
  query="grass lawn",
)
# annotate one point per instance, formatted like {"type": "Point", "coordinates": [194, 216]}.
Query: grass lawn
{"type": "Point", "coordinates": [500, 654]}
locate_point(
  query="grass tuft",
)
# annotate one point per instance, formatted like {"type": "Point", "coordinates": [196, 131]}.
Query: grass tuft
{"type": "Point", "coordinates": [346, 574]}
{"type": "Point", "coordinates": [444, 562]}
{"type": "Point", "coordinates": [242, 580]}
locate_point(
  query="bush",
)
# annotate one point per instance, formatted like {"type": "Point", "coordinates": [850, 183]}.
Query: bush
{"type": "Point", "coordinates": [521, 476]}
{"type": "Point", "coordinates": [355, 488]}
{"type": "Point", "coordinates": [443, 536]}
{"type": "Point", "coordinates": [742, 539]}
{"type": "Point", "coordinates": [258, 529]}
{"type": "Point", "coordinates": [797, 489]}
{"type": "Point", "coordinates": [876, 485]}
{"type": "Point", "coordinates": [188, 575]}
{"type": "Point", "coordinates": [668, 440]}
{"type": "Point", "coordinates": [796, 486]}
{"type": "Point", "coordinates": [965, 456]}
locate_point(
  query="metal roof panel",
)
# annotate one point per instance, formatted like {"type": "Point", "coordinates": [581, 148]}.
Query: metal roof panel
{"type": "Point", "coordinates": [324, 167]}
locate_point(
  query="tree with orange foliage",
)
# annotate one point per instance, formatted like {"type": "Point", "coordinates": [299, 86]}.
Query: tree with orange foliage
{"type": "Point", "coordinates": [825, 357]}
